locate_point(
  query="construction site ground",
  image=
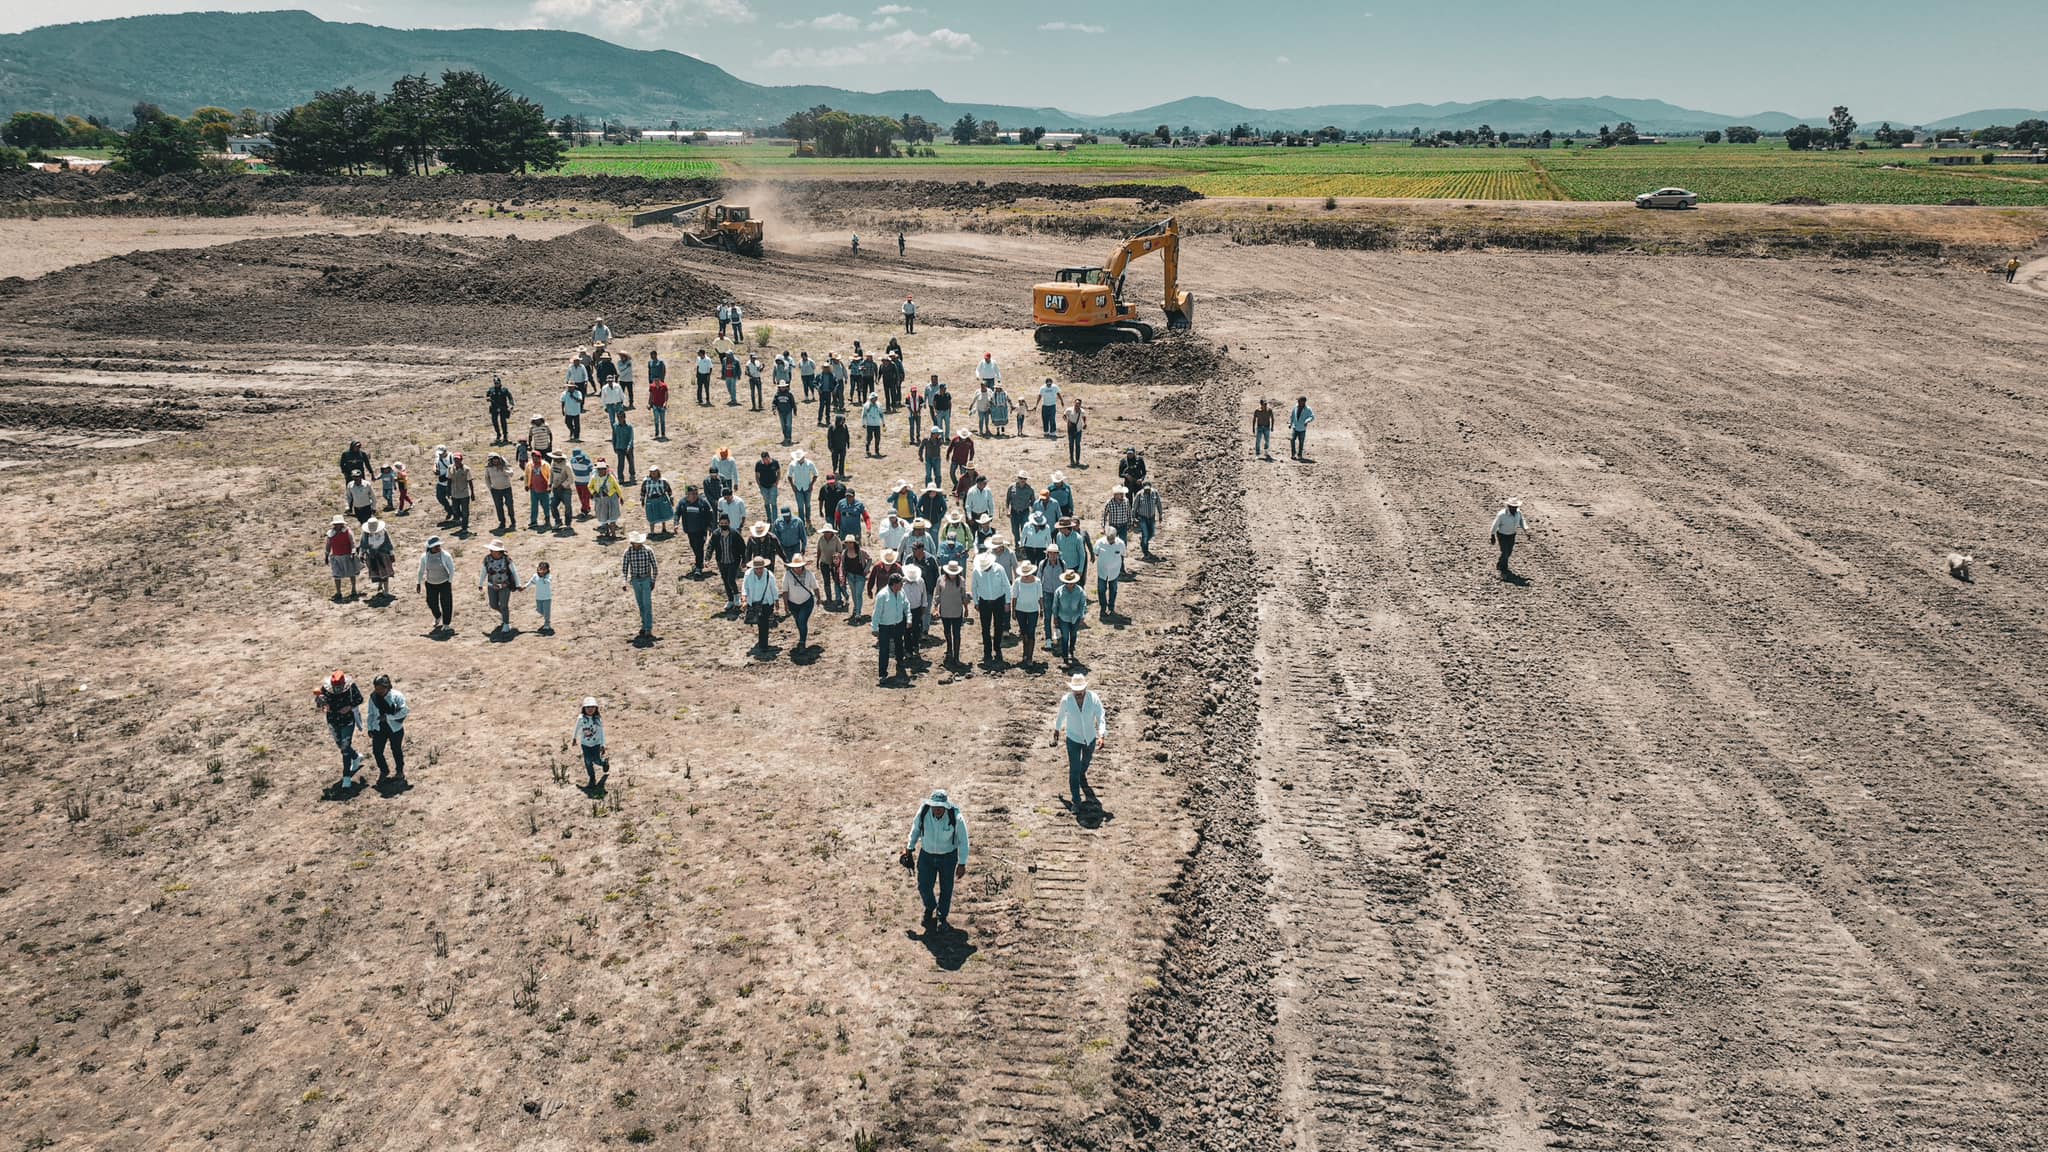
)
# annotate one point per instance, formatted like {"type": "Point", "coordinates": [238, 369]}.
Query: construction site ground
{"type": "Point", "coordinates": [1724, 825]}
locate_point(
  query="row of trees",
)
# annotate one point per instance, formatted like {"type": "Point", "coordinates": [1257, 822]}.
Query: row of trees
{"type": "Point", "coordinates": [468, 121]}
{"type": "Point", "coordinates": [155, 144]}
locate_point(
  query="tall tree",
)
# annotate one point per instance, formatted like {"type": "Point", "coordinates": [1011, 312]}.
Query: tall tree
{"type": "Point", "coordinates": [488, 129]}
{"type": "Point", "coordinates": [158, 143]}
{"type": "Point", "coordinates": [33, 130]}
{"type": "Point", "coordinates": [213, 125]}
{"type": "Point", "coordinates": [965, 129]}
{"type": "Point", "coordinates": [1841, 126]}
{"type": "Point", "coordinates": [409, 124]}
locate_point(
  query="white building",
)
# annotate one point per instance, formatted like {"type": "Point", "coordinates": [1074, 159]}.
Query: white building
{"type": "Point", "coordinates": [246, 145]}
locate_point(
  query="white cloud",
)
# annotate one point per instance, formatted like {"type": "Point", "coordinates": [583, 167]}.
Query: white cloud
{"type": "Point", "coordinates": [882, 25]}
{"type": "Point", "coordinates": [636, 15]}
{"type": "Point", "coordinates": [831, 22]}
{"type": "Point", "coordinates": [905, 47]}
{"type": "Point", "coordinates": [1282, 60]}
{"type": "Point", "coordinates": [894, 10]}
{"type": "Point", "coordinates": [1064, 26]}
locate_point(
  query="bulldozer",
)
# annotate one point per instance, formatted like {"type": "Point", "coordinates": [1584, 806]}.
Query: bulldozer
{"type": "Point", "coordinates": [726, 226]}
{"type": "Point", "coordinates": [1084, 307]}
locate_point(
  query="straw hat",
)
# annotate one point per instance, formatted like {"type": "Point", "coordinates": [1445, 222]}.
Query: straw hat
{"type": "Point", "coordinates": [590, 701]}
{"type": "Point", "coordinates": [1070, 577]}
{"type": "Point", "coordinates": [1119, 490]}
{"type": "Point", "coordinates": [796, 561]}
{"type": "Point", "coordinates": [1059, 477]}
{"type": "Point", "coordinates": [338, 521]}
{"type": "Point", "coordinates": [889, 555]}
{"type": "Point", "coordinates": [495, 546]}
{"type": "Point", "coordinates": [952, 568]}
{"type": "Point", "coordinates": [983, 562]}
{"type": "Point", "coordinates": [919, 524]}
{"type": "Point", "coordinates": [759, 529]}
{"type": "Point", "coordinates": [759, 562]}
{"type": "Point", "coordinates": [373, 525]}
{"type": "Point", "coordinates": [637, 538]}
{"type": "Point", "coordinates": [1027, 568]}
{"type": "Point", "coordinates": [1078, 684]}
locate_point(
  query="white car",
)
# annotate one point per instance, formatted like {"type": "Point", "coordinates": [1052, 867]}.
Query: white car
{"type": "Point", "coordinates": [1668, 198]}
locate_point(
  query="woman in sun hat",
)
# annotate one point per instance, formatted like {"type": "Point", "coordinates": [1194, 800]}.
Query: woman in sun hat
{"type": "Point", "coordinates": [800, 597]}
{"type": "Point", "coordinates": [498, 579]}
{"type": "Point", "coordinates": [340, 553]}
{"type": "Point", "coordinates": [609, 499]}
{"type": "Point", "coordinates": [378, 554]}
{"type": "Point", "coordinates": [659, 500]}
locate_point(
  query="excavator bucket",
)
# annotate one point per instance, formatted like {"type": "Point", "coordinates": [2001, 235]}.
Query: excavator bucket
{"type": "Point", "coordinates": [1181, 318]}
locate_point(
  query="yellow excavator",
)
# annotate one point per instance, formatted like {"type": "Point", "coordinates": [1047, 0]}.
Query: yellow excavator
{"type": "Point", "coordinates": [1081, 307]}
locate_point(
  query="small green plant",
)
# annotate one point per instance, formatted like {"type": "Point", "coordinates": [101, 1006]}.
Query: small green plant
{"type": "Point", "coordinates": [439, 1006]}
{"type": "Point", "coordinates": [77, 807]}
{"type": "Point", "coordinates": [863, 1140]}
{"type": "Point", "coordinates": [763, 334]}
{"type": "Point", "coordinates": [1329, 203]}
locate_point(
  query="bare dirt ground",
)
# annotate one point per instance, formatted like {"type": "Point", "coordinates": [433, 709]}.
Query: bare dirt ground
{"type": "Point", "coordinates": [1722, 828]}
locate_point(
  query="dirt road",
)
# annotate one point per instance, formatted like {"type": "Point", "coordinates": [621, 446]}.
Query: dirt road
{"type": "Point", "coordinates": [1722, 828]}
{"type": "Point", "coordinates": [1723, 825]}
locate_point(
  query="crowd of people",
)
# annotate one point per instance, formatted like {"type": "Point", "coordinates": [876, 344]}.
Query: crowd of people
{"type": "Point", "coordinates": [957, 549]}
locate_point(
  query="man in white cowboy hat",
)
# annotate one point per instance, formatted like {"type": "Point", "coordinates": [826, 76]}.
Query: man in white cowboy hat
{"type": "Point", "coordinates": [803, 477]}
{"type": "Point", "coordinates": [1080, 718]}
{"type": "Point", "coordinates": [888, 618]}
{"type": "Point", "coordinates": [1116, 513]}
{"type": "Point", "coordinates": [1109, 568]}
{"type": "Point", "coordinates": [498, 578]}
{"type": "Point", "coordinates": [949, 604]}
{"type": "Point", "coordinates": [938, 836]}
{"type": "Point", "coordinates": [1062, 493]}
{"type": "Point", "coordinates": [892, 530]}
{"type": "Point", "coordinates": [637, 571]}
{"type": "Point", "coordinates": [991, 605]}
{"type": "Point", "coordinates": [762, 593]}
{"type": "Point", "coordinates": [1508, 523]}
{"type": "Point", "coordinates": [436, 578]}
{"type": "Point", "coordinates": [1069, 609]}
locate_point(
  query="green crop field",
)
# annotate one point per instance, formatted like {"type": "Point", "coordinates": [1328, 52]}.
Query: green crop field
{"type": "Point", "coordinates": [1759, 173]}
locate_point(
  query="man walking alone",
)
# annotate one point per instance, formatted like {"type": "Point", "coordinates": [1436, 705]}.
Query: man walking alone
{"type": "Point", "coordinates": [938, 835]}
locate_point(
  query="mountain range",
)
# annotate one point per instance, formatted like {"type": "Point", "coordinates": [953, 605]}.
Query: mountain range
{"type": "Point", "coordinates": [272, 60]}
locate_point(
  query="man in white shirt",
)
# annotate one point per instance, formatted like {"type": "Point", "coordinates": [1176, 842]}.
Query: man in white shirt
{"type": "Point", "coordinates": [1109, 568]}
{"type": "Point", "coordinates": [705, 367]}
{"type": "Point", "coordinates": [733, 510]}
{"type": "Point", "coordinates": [909, 316]}
{"type": "Point", "coordinates": [1049, 408]}
{"type": "Point", "coordinates": [1508, 524]}
{"type": "Point", "coordinates": [600, 332]}
{"type": "Point", "coordinates": [613, 397]}
{"type": "Point", "coordinates": [1081, 719]}
{"type": "Point", "coordinates": [802, 476]}
{"type": "Point", "coordinates": [991, 588]}
{"type": "Point", "coordinates": [761, 593]}
{"type": "Point", "coordinates": [894, 528]}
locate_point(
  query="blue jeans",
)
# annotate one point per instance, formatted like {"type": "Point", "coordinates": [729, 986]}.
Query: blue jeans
{"type": "Point", "coordinates": [643, 598]}
{"type": "Point", "coordinates": [546, 608]}
{"type": "Point", "coordinates": [1262, 441]}
{"type": "Point", "coordinates": [1146, 527]}
{"type": "Point", "coordinates": [856, 594]}
{"type": "Point", "coordinates": [1079, 756]}
{"type": "Point", "coordinates": [943, 421]}
{"type": "Point", "coordinates": [803, 503]}
{"type": "Point", "coordinates": [1105, 595]}
{"type": "Point", "coordinates": [1070, 638]}
{"type": "Point", "coordinates": [344, 733]}
{"type": "Point", "coordinates": [801, 614]}
{"type": "Point", "coordinates": [593, 759]}
{"type": "Point", "coordinates": [771, 503]}
{"type": "Point", "coordinates": [1297, 442]}
{"type": "Point", "coordinates": [788, 421]}
{"type": "Point", "coordinates": [732, 389]}
{"type": "Point", "coordinates": [1048, 415]}
{"type": "Point", "coordinates": [932, 470]}
{"type": "Point", "coordinates": [660, 415]}
{"type": "Point", "coordinates": [936, 868]}
{"type": "Point", "coordinates": [983, 426]}
{"type": "Point", "coordinates": [536, 507]}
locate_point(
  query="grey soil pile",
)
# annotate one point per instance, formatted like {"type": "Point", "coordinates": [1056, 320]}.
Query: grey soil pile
{"type": "Point", "coordinates": [1170, 360]}
{"type": "Point", "coordinates": [406, 290]}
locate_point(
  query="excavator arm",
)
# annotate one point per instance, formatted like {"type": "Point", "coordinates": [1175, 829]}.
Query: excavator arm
{"type": "Point", "coordinates": [1163, 238]}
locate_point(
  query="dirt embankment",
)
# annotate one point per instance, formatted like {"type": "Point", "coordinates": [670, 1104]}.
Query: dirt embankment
{"type": "Point", "coordinates": [381, 289]}
{"type": "Point", "coordinates": [1171, 359]}
{"type": "Point", "coordinates": [65, 193]}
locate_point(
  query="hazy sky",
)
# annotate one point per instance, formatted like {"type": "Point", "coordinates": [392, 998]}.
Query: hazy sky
{"type": "Point", "coordinates": [1884, 58]}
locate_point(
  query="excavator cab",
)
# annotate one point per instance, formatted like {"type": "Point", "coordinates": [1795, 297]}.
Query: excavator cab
{"type": "Point", "coordinates": [1086, 306]}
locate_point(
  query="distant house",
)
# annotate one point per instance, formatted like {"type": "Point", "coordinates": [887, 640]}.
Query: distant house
{"type": "Point", "coordinates": [83, 164]}
{"type": "Point", "coordinates": [1952, 161]}
{"type": "Point", "coordinates": [247, 145]}
{"type": "Point", "coordinates": [711, 136]}
{"type": "Point", "coordinates": [2020, 158]}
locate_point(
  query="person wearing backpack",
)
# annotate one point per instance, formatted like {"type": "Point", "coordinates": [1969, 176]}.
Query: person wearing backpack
{"type": "Point", "coordinates": [340, 702]}
{"type": "Point", "coordinates": [937, 849]}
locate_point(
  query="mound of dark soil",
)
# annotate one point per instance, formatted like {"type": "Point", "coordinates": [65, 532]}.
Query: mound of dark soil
{"type": "Point", "coordinates": [1171, 359]}
{"type": "Point", "coordinates": [1801, 201]}
{"type": "Point", "coordinates": [373, 290]}
{"type": "Point", "coordinates": [417, 196]}
{"type": "Point", "coordinates": [1959, 202]}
